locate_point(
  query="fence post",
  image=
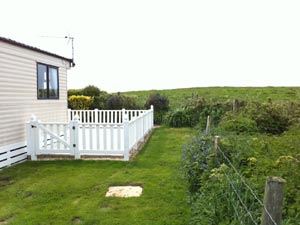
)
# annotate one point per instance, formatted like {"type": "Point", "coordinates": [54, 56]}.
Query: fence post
{"type": "Point", "coordinates": [216, 143]}
{"type": "Point", "coordinates": [273, 201]}
{"type": "Point", "coordinates": [29, 142]}
{"type": "Point", "coordinates": [152, 116]}
{"type": "Point", "coordinates": [208, 122]}
{"type": "Point", "coordinates": [234, 105]}
{"type": "Point", "coordinates": [126, 137]}
{"type": "Point", "coordinates": [32, 137]}
{"type": "Point", "coordinates": [144, 124]}
{"type": "Point", "coordinates": [69, 115]}
{"type": "Point", "coordinates": [74, 126]}
{"type": "Point", "coordinates": [96, 116]}
{"type": "Point", "coordinates": [123, 115]}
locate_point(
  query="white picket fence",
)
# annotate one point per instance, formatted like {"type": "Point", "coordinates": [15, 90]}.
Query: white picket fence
{"type": "Point", "coordinates": [12, 154]}
{"type": "Point", "coordinates": [90, 133]}
{"type": "Point", "coordinates": [103, 116]}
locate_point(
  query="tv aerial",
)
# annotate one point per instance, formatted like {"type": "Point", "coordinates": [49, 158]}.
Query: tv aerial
{"type": "Point", "coordinates": [69, 38]}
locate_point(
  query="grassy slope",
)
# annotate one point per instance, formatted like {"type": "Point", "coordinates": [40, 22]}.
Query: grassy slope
{"type": "Point", "coordinates": [57, 192]}
{"type": "Point", "coordinates": [177, 96]}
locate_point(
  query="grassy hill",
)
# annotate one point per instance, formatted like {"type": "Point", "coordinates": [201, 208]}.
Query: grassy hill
{"type": "Point", "coordinates": [177, 96]}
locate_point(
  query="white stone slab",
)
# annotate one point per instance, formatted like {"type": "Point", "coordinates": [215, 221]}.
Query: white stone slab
{"type": "Point", "coordinates": [124, 191]}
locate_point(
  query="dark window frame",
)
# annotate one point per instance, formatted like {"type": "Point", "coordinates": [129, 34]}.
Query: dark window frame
{"type": "Point", "coordinates": [48, 97]}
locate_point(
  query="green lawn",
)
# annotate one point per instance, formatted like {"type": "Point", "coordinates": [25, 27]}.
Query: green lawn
{"type": "Point", "coordinates": [72, 192]}
{"type": "Point", "coordinates": [178, 97]}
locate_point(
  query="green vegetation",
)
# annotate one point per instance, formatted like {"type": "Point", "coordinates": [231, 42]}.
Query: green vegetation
{"type": "Point", "coordinates": [178, 97]}
{"type": "Point", "coordinates": [261, 140]}
{"type": "Point", "coordinates": [178, 118]}
{"type": "Point", "coordinates": [161, 105]}
{"type": "Point", "coordinates": [72, 192]}
{"type": "Point", "coordinates": [118, 101]}
{"type": "Point", "coordinates": [91, 97]}
{"type": "Point", "coordinates": [80, 102]}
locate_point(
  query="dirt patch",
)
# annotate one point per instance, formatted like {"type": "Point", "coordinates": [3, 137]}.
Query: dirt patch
{"type": "Point", "coordinates": [5, 181]}
{"type": "Point", "coordinates": [124, 191]}
{"type": "Point", "coordinates": [28, 194]}
{"type": "Point", "coordinates": [7, 220]}
{"type": "Point", "coordinates": [76, 220]}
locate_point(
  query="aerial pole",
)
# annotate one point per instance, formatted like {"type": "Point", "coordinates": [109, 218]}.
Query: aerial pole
{"type": "Point", "coordinates": [69, 39]}
{"type": "Point", "coordinates": [72, 43]}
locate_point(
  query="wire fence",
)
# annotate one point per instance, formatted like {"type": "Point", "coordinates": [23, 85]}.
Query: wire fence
{"type": "Point", "coordinates": [247, 206]}
{"type": "Point", "coordinates": [245, 200]}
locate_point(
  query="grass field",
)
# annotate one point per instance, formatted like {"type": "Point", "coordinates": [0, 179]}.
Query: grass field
{"type": "Point", "coordinates": [72, 192]}
{"type": "Point", "coordinates": [178, 97]}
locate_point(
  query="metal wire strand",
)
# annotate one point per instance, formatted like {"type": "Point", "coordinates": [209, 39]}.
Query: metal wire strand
{"type": "Point", "coordinates": [237, 214]}
{"type": "Point", "coordinates": [245, 183]}
{"type": "Point", "coordinates": [240, 199]}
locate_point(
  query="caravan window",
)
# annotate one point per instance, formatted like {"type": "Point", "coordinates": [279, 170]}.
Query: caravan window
{"type": "Point", "coordinates": [47, 82]}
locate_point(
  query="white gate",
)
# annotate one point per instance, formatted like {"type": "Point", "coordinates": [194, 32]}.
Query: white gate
{"type": "Point", "coordinates": [113, 137]}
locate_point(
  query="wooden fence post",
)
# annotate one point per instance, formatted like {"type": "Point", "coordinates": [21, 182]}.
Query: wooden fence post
{"type": "Point", "coordinates": [126, 137]}
{"type": "Point", "coordinates": [216, 143]}
{"type": "Point", "coordinates": [234, 105]}
{"type": "Point", "coordinates": [74, 127]}
{"type": "Point", "coordinates": [273, 201]}
{"type": "Point", "coordinates": [208, 122]}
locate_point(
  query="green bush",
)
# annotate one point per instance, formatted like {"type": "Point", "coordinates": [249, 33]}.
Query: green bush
{"type": "Point", "coordinates": [178, 118]}
{"type": "Point", "coordinates": [216, 111]}
{"type": "Point", "coordinates": [91, 91]}
{"type": "Point", "coordinates": [118, 101]}
{"type": "Point", "coordinates": [270, 118]}
{"type": "Point", "coordinates": [74, 92]}
{"type": "Point", "coordinates": [130, 102]}
{"type": "Point", "coordinates": [160, 104]}
{"type": "Point", "coordinates": [238, 124]}
{"type": "Point", "coordinates": [195, 161]}
{"type": "Point", "coordinates": [159, 117]}
{"type": "Point", "coordinates": [292, 111]}
{"type": "Point", "coordinates": [80, 102]}
{"type": "Point", "coordinates": [197, 109]}
{"type": "Point", "coordinates": [193, 108]}
{"type": "Point", "coordinates": [115, 102]}
{"type": "Point", "coordinates": [99, 102]}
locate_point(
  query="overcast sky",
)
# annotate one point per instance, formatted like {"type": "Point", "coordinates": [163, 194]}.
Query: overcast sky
{"type": "Point", "coordinates": [158, 44]}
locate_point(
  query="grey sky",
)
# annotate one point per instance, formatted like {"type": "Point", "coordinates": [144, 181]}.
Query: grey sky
{"type": "Point", "coordinates": [159, 44]}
